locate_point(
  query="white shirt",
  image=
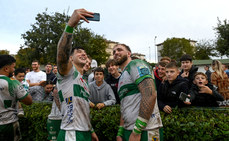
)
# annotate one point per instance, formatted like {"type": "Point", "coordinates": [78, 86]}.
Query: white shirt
{"type": "Point", "coordinates": [36, 77]}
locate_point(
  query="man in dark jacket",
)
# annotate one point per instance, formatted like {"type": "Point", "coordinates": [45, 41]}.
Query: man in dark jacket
{"type": "Point", "coordinates": [188, 70]}
{"type": "Point", "coordinates": [170, 90]}
{"type": "Point", "coordinates": [208, 73]}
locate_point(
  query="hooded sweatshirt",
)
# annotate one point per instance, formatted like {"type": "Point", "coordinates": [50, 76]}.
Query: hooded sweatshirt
{"type": "Point", "coordinates": [190, 77]}
{"type": "Point", "coordinates": [101, 94]}
{"type": "Point", "coordinates": [203, 99]}
{"type": "Point", "coordinates": [169, 93]}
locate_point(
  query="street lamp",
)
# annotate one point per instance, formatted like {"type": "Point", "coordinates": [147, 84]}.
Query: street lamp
{"type": "Point", "coordinates": [155, 49]}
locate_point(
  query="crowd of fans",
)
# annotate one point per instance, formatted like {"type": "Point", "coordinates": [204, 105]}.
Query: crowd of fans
{"type": "Point", "coordinates": [209, 89]}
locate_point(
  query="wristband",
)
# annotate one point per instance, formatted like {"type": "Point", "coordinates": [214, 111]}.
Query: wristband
{"type": "Point", "coordinates": [140, 124]}
{"type": "Point", "coordinates": [92, 130]}
{"type": "Point", "coordinates": [69, 29]}
{"type": "Point", "coordinates": [120, 131]}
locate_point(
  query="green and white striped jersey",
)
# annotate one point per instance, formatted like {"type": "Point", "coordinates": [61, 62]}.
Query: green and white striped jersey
{"type": "Point", "coordinates": [73, 93]}
{"type": "Point", "coordinates": [134, 73]}
{"type": "Point", "coordinates": [10, 92]}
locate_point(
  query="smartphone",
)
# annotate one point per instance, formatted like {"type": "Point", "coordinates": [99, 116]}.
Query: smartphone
{"type": "Point", "coordinates": [95, 18]}
{"type": "Point", "coordinates": [184, 97]}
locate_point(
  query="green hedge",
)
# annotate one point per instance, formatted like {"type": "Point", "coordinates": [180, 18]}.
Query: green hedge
{"type": "Point", "coordinates": [183, 124]}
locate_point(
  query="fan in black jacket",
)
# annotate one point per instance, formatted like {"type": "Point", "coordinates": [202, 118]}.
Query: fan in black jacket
{"type": "Point", "coordinates": [202, 93]}
{"type": "Point", "coordinates": [170, 90]}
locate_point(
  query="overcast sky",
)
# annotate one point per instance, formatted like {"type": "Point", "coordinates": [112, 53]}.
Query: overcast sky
{"type": "Point", "coordinates": [133, 22]}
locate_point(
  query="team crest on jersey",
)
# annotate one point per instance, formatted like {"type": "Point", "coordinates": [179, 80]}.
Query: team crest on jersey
{"type": "Point", "coordinates": [142, 70]}
{"type": "Point", "coordinates": [68, 100]}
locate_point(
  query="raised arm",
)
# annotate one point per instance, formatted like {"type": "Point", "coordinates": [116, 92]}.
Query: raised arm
{"type": "Point", "coordinates": [65, 43]}
{"type": "Point", "coordinates": [63, 53]}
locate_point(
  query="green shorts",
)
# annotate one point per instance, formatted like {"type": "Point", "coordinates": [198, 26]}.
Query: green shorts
{"type": "Point", "coordinates": [53, 127]}
{"type": "Point", "coordinates": [10, 132]}
{"type": "Point", "coordinates": [150, 135]}
{"type": "Point", "coordinates": [74, 135]}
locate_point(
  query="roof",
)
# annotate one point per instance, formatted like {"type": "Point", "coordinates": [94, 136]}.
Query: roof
{"type": "Point", "coordinates": [208, 62]}
{"type": "Point", "coordinates": [177, 38]}
{"type": "Point", "coordinates": [139, 54]}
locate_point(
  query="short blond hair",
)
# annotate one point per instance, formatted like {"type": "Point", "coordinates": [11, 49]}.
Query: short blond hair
{"type": "Point", "coordinates": [201, 73]}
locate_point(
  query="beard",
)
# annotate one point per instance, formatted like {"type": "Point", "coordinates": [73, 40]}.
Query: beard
{"type": "Point", "coordinates": [10, 74]}
{"type": "Point", "coordinates": [122, 60]}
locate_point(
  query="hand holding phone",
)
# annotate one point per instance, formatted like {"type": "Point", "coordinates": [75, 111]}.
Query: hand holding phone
{"type": "Point", "coordinates": [184, 97]}
{"type": "Point", "coordinates": [96, 17]}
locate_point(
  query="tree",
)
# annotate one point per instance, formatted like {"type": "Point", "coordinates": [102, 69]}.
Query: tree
{"type": "Point", "coordinates": [205, 49]}
{"type": "Point", "coordinates": [176, 47]}
{"type": "Point", "coordinates": [222, 33]}
{"type": "Point", "coordinates": [24, 57]}
{"type": "Point", "coordinates": [94, 45]}
{"type": "Point", "coordinates": [4, 52]}
{"type": "Point", "coordinates": [43, 38]}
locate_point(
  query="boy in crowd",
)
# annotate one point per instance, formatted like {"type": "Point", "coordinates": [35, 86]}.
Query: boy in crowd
{"type": "Point", "coordinates": [43, 93]}
{"type": "Point", "coordinates": [86, 68]}
{"type": "Point", "coordinates": [188, 70]}
{"type": "Point", "coordinates": [170, 90]}
{"type": "Point", "coordinates": [19, 74]}
{"type": "Point", "coordinates": [10, 92]}
{"type": "Point", "coordinates": [113, 77]}
{"type": "Point", "coordinates": [203, 93]}
{"type": "Point", "coordinates": [101, 94]}
{"type": "Point", "coordinates": [160, 73]}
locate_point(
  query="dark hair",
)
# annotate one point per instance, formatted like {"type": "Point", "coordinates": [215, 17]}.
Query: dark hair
{"type": "Point", "coordinates": [19, 70]}
{"type": "Point", "coordinates": [127, 47]}
{"type": "Point", "coordinates": [48, 82]}
{"type": "Point", "coordinates": [89, 57]}
{"type": "Point", "coordinates": [171, 65]}
{"type": "Point", "coordinates": [76, 48]}
{"type": "Point", "coordinates": [48, 64]}
{"type": "Point", "coordinates": [186, 57]}
{"type": "Point", "coordinates": [99, 69]}
{"type": "Point", "coordinates": [207, 66]}
{"type": "Point", "coordinates": [111, 62]}
{"type": "Point", "coordinates": [6, 60]}
{"type": "Point", "coordinates": [163, 64]}
{"type": "Point", "coordinates": [36, 61]}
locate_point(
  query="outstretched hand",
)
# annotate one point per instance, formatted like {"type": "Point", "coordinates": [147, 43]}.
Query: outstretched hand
{"type": "Point", "coordinates": [77, 15]}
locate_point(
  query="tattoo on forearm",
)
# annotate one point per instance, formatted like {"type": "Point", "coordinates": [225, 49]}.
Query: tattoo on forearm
{"type": "Point", "coordinates": [56, 98]}
{"type": "Point", "coordinates": [148, 92]}
{"type": "Point", "coordinates": [63, 51]}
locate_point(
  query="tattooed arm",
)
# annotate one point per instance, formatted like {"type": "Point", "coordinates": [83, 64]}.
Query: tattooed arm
{"type": "Point", "coordinates": [149, 95]}
{"type": "Point", "coordinates": [65, 43]}
{"type": "Point", "coordinates": [63, 53]}
{"type": "Point", "coordinates": [148, 92]}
